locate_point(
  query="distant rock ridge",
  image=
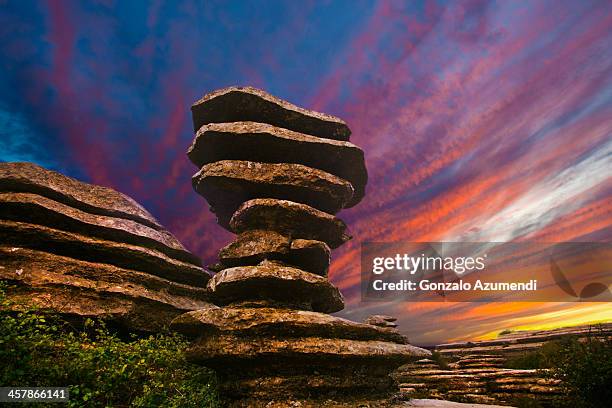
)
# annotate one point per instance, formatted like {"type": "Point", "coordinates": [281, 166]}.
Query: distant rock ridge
{"type": "Point", "coordinates": [275, 174]}
{"type": "Point", "coordinates": [89, 251]}
{"type": "Point", "coordinates": [475, 372]}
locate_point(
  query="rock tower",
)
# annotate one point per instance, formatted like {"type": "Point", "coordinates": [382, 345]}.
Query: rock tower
{"type": "Point", "coordinates": [275, 175]}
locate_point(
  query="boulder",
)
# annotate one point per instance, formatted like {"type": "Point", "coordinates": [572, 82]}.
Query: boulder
{"type": "Point", "coordinates": [78, 289]}
{"type": "Point", "coordinates": [31, 178]}
{"type": "Point", "coordinates": [271, 281]}
{"type": "Point", "coordinates": [262, 142]}
{"type": "Point", "coordinates": [296, 220]}
{"type": "Point", "coordinates": [275, 322]}
{"type": "Point", "coordinates": [236, 104]}
{"type": "Point", "coordinates": [227, 184]}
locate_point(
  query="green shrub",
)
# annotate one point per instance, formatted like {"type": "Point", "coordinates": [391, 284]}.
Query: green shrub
{"type": "Point", "coordinates": [585, 369]}
{"type": "Point", "coordinates": [543, 357]}
{"type": "Point", "coordinates": [439, 359]}
{"type": "Point", "coordinates": [100, 369]}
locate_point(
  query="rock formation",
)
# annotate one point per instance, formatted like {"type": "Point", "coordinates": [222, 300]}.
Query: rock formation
{"type": "Point", "coordinates": [475, 370]}
{"type": "Point", "coordinates": [480, 385]}
{"type": "Point", "coordinates": [276, 175]}
{"type": "Point", "coordinates": [89, 251]}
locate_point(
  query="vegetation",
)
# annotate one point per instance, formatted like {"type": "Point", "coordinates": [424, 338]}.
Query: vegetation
{"type": "Point", "coordinates": [100, 369]}
{"type": "Point", "coordinates": [542, 358]}
{"type": "Point", "coordinates": [584, 368]}
{"type": "Point", "coordinates": [440, 360]}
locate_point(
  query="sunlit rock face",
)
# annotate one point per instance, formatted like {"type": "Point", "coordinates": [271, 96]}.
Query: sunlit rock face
{"type": "Point", "coordinates": [276, 175]}
{"type": "Point", "coordinates": [84, 250]}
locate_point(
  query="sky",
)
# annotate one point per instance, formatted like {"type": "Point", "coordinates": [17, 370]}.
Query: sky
{"type": "Point", "coordinates": [480, 120]}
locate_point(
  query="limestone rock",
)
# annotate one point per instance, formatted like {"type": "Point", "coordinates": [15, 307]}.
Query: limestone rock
{"type": "Point", "coordinates": [31, 178]}
{"type": "Point", "coordinates": [274, 322]}
{"type": "Point", "coordinates": [237, 104]}
{"type": "Point", "coordinates": [275, 174]}
{"type": "Point", "coordinates": [223, 348]}
{"type": "Point", "coordinates": [381, 321]}
{"type": "Point", "coordinates": [296, 220]}
{"type": "Point", "coordinates": [311, 255]}
{"type": "Point", "coordinates": [227, 184]}
{"type": "Point", "coordinates": [262, 142]}
{"type": "Point", "coordinates": [275, 282]}
{"type": "Point", "coordinates": [88, 251]}
{"type": "Point", "coordinates": [36, 209]}
{"type": "Point", "coordinates": [254, 246]}
{"type": "Point", "coordinates": [92, 249]}
{"type": "Point", "coordinates": [79, 289]}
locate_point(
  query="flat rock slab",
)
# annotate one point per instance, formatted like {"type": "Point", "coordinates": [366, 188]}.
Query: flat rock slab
{"type": "Point", "coordinates": [78, 289]}
{"type": "Point", "coordinates": [431, 403]}
{"type": "Point", "coordinates": [82, 247]}
{"type": "Point", "coordinates": [233, 349]}
{"type": "Point", "coordinates": [31, 178]}
{"type": "Point", "coordinates": [261, 142]}
{"type": "Point", "coordinates": [296, 220]}
{"type": "Point", "coordinates": [254, 246]}
{"type": "Point", "coordinates": [381, 320]}
{"type": "Point", "coordinates": [236, 104]}
{"type": "Point", "coordinates": [36, 209]}
{"type": "Point", "coordinates": [277, 283]}
{"type": "Point", "coordinates": [273, 322]}
{"type": "Point", "coordinates": [227, 184]}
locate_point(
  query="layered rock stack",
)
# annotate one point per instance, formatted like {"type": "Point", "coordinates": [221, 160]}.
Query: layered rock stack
{"type": "Point", "coordinates": [275, 175]}
{"type": "Point", "coordinates": [89, 251]}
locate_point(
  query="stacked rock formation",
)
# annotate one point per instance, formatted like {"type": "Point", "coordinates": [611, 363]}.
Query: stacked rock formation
{"type": "Point", "coordinates": [275, 175]}
{"type": "Point", "coordinates": [89, 251]}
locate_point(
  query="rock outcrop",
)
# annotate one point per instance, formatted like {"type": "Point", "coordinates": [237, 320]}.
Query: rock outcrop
{"type": "Point", "coordinates": [487, 385]}
{"type": "Point", "coordinates": [474, 371]}
{"type": "Point", "coordinates": [89, 251]}
{"type": "Point", "coordinates": [275, 175]}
